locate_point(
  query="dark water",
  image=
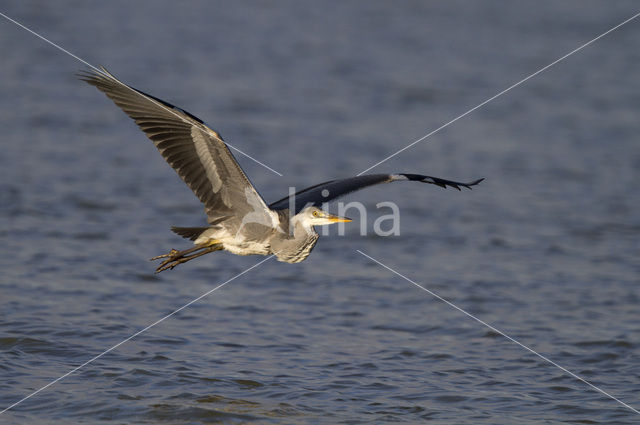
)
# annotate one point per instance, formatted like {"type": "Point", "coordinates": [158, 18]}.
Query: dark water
{"type": "Point", "coordinates": [546, 249]}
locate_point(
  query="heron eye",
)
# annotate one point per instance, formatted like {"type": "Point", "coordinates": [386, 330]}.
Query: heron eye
{"type": "Point", "coordinates": [315, 213]}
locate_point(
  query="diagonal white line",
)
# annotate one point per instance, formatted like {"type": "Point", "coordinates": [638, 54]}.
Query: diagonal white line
{"type": "Point", "coordinates": [546, 359]}
{"type": "Point", "coordinates": [253, 159]}
{"type": "Point", "coordinates": [501, 93]}
{"type": "Point", "coordinates": [140, 94]}
{"type": "Point", "coordinates": [135, 334]}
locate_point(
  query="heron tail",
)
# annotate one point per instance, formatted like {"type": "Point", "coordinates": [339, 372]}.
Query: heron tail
{"type": "Point", "coordinates": [190, 233]}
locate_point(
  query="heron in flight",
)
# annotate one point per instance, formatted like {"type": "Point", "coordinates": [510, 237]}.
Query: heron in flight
{"type": "Point", "coordinates": [239, 219]}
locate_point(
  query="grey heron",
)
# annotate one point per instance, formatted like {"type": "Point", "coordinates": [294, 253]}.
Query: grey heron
{"type": "Point", "coordinates": [240, 221]}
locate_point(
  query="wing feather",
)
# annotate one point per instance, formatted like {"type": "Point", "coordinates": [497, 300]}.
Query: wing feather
{"type": "Point", "coordinates": [324, 192]}
{"type": "Point", "coordinates": [196, 152]}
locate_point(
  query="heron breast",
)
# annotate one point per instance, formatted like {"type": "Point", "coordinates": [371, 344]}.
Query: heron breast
{"type": "Point", "coordinates": [297, 253]}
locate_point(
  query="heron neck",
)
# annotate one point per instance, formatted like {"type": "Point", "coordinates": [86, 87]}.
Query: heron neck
{"type": "Point", "coordinates": [302, 228]}
{"type": "Point", "coordinates": [296, 244]}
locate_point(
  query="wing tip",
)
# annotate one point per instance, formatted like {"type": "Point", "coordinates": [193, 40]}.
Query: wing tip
{"type": "Point", "coordinates": [473, 183]}
{"type": "Point", "coordinates": [467, 185]}
{"type": "Point", "coordinates": [436, 181]}
{"type": "Point", "coordinates": [94, 75]}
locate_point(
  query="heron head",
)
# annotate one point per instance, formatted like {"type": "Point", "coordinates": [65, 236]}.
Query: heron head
{"type": "Point", "coordinates": [314, 216]}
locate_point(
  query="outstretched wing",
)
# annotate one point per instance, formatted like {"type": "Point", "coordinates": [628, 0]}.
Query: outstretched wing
{"type": "Point", "coordinates": [325, 192]}
{"type": "Point", "coordinates": [196, 152]}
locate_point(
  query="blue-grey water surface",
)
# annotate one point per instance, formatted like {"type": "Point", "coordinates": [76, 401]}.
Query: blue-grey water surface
{"type": "Point", "coordinates": [546, 249]}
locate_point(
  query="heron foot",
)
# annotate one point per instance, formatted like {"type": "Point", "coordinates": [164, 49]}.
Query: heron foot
{"type": "Point", "coordinates": [170, 263]}
{"type": "Point", "coordinates": [175, 257]}
{"type": "Point", "coordinates": [171, 253]}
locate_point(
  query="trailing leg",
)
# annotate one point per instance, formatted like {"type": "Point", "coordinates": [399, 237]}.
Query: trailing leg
{"type": "Point", "coordinates": [175, 257]}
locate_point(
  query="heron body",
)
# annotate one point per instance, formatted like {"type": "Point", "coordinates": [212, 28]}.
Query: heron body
{"type": "Point", "coordinates": [239, 220]}
{"type": "Point", "coordinates": [260, 239]}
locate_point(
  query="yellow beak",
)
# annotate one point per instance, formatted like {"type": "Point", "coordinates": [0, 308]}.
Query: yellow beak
{"type": "Point", "coordinates": [338, 219]}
